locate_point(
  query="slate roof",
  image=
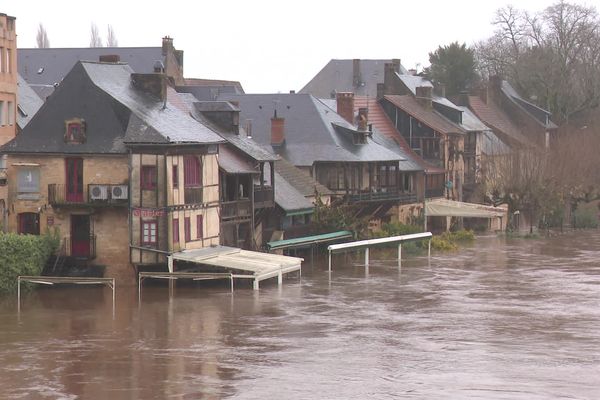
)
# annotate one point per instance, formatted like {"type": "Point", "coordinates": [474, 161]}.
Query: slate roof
{"type": "Point", "coordinates": [310, 135]}
{"type": "Point", "coordinates": [429, 117]}
{"type": "Point", "coordinates": [495, 118]}
{"type": "Point", "coordinates": [541, 116]}
{"type": "Point", "coordinates": [470, 122]}
{"type": "Point", "coordinates": [209, 89]}
{"type": "Point", "coordinates": [55, 63]}
{"type": "Point", "coordinates": [28, 102]}
{"type": "Point", "coordinates": [299, 179]}
{"type": "Point", "coordinates": [288, 197]}
{"type": "Point", "coordinates": [114, 112]}
{"type": "Point", "coordinates": [387, 133]}
{"type": "Point", "coordinates": [338, 76]}
{"type": "Point", "coordinates": [233, 163]}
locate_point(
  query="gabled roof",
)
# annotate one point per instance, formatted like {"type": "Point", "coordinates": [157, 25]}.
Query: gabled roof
{"type": "Point", "coordinates": [338, 76]}
{"type": "Point", "coordinates": [429, 117]}
{"type": "Point", "coordinates": [541, 116]}
{"type": "Point", "coordinates": [495, 118]}
{"type": "Point", "coordinates": [310, 135]}
{"type": "Point", "coordinates": [289, 198]}
{"type": "Point", "coordinates": [115, 113]}
{"type": "Point", "coordinates": [28, 102]}
{"type": "Point", "coordinates": [300, 179]}
{"type": "Point", "coordinates": [387, 132]}
{"type": "Point", "coordinates": [50, 65]}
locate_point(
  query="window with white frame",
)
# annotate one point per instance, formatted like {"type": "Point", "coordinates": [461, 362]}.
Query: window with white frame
{"type": "Point", "coordinates": [149, 233]}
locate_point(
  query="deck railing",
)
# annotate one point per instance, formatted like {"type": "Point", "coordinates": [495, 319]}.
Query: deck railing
{"type": "Point", "coordinates": [94, 194]}
{"type": "Point", "coordinates": [236, 209]}
{"type": "Point", "coordinates": [263, 196]}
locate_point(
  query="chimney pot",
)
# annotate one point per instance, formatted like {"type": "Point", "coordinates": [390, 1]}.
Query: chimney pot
{"type": "Point", "coordinates": [363, 118]}
{"type": "Point", "coordinates": [345, 105]}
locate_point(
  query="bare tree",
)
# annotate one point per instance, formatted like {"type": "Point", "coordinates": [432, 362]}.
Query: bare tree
{"type": "Point", "coordinates": [552, 55]}
{"type": "Point", "coordinates": [111, 38]}
{"type": "Point", "coordinates": [95, 39]}
{"type": "Point", "coordinates": [42, 37]}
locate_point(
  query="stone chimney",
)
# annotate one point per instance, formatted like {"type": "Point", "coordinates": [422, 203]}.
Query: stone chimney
{"type": "Point", "coordinates": [154, 84]}
{"type": "Point", "coordinates": [363, 118]}
{"type": "Point", "coordinates": [463, 99]}
{"type": "Point", "coordinates": [389, 79]}
{"type": "Point", "coordinates": [167, 45]}
{"type": "Point", "coordinates": [109, 58]}
{"type": "Point", "coordinates": [440, 89]}
{"type": "Point", "coordinates": [423, 95]}
{"type": "Point", "coordinates": [356, 76]}
{"type": "Point", "coordinates": [494, 87]}
{"type": "Point", "coordinates": [396, 64]}
{"type": "Point", "coordinates": [412, 72]}
{"type": "Point", "coordinates": [277, 130]}
{"type": "Point", "coordinates": [345, 105]}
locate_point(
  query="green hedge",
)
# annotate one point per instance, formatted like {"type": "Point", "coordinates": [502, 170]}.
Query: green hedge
{"type": "Point", "coordinates": [23, 255]}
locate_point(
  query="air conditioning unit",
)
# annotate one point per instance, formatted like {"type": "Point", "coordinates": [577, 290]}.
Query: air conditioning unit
{"type": "Point", "coordinates": [99, 192]}
{"type": "Point", "coordinates": [119, 192]}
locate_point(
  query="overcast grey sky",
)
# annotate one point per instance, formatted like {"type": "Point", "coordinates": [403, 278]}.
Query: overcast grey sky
{"type": "Point", "coordinates": [269, 46]}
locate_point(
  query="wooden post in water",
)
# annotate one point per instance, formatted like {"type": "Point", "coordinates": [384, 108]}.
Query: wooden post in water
{"type": "Point", "coordinates": [399, 255]}
{"type": "Point", "coordinates": [367, 257]}
{"type": "Point", "coordinates": [329, 261]}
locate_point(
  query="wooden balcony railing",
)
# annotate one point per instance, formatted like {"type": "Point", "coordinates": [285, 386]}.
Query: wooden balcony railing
{"type": "Point", "coordinates": [382, 194]}
{"type": "Point", "coordinates": [236, 209]}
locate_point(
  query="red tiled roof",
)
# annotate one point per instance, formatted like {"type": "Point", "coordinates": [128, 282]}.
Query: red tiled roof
{"type": "Point", "coordinates": [384, 125]}
{"type": "Point", "coordinates": [495, 118]}
{"type": "Point", "coordinates": [432, 119]}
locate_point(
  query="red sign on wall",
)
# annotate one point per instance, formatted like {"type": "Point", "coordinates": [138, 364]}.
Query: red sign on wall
{"type": "Point", "coordinates": [148, 212]}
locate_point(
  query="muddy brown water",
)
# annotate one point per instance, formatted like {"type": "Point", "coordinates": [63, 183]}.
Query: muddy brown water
{"type": "Point", "coordinates": [516, 319]}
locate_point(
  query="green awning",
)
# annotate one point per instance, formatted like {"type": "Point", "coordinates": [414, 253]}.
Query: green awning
{"type": "Point", "coordinates": [308, 240]}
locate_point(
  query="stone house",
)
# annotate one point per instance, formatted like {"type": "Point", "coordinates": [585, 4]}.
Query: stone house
{"type": "Point", "coordinates": [123, 175]}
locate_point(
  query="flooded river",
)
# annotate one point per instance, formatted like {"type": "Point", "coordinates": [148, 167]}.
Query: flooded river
{"type": "Point", "coordinates": [517, 319]}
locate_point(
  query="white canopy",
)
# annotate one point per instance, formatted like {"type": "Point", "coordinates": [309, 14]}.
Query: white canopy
{"type": "Point", "coordinates": [451, 208]}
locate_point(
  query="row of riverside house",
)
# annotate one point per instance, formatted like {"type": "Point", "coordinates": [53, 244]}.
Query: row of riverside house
{"type": "Point", "coordinates": [131, 161]}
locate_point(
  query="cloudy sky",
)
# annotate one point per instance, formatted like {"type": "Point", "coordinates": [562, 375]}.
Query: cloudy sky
{"type": "Point", "coordinates": [270, 46]}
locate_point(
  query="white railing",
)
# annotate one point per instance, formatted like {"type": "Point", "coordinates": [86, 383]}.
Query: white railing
{"type": "Point", "coordinates": [337, 248]}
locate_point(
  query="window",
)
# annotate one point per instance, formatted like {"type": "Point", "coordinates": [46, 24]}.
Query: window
{"type": "Point", "coordinates": [187, 228]}
{"type": "Point", "coordinates": [199, 226]}
{"type": "Point", "coordinates": [8, 60]}
{"type": "Point", "coordinates": [175, 177]}
{"type": "Point", "coordinates": [2, 62]}
{"type": "Point", "coordinates": [148, 177]}
{"type": "Point", "coordinates": [191, 172]}
{"type": "Point", "coordinates": [175, 230]}
{"type": "Point", "coordinates": [149, 233]}
{"type": "Point", "coordinates": [2, 118]}
{"type": "Point", "coordinates": [28, 180]}
{"type": "Point", "coordinates": [75, 131]}
{"type": "Point", "coordinates": [11, 113]}
{"type": "Point", "coordinates": [29, 223]}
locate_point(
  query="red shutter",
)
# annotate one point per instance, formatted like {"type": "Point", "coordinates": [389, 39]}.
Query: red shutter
{"type": "Point", "coordinates": [191, 171]}
{"type": "Point", "coordinates": [199, 227]}
{"type": "Point", "coordinates": [187, 226]}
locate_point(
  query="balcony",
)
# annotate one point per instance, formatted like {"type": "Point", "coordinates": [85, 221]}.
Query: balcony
{"type": "Point", "coordinates": [83, 248]}
{"type": "Point", "coordinates": [241, 209]}
{"type": "Point", "coordinates": [382, 194]}
{"type": "Point", "coordinates": [193, 195]}
{"type": "Point", "coordinates": [96, 195]}
{"type": "Point", "coordinates": [263, 197]}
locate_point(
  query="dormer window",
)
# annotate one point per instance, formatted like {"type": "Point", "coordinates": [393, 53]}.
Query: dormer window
{"type": "Point", "coordinates": [75, 131]}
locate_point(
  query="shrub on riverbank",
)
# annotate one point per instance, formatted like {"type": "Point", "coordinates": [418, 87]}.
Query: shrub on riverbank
{"type": "Point", "coordinates": [23, 255]}
{"type": "Point", "coordinates": [451, 240]}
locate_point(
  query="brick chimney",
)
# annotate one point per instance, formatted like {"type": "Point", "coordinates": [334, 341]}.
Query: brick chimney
{"type": "Point", "coordinates": [277, 130]}
{"type": "Point", "coordinates": [363, 118]}
{"type": "Point", "coordinates": [494, 87]}
{"type": "Point", "coordinates": [167, 45]}
{"type": "Point", "coordinates": [423, 95]}
{"type": "Point", "coordinates": [356, 77]}
{"type": "Point", "coordinates": [154, 84]}
{"type": "Point", "coordinates": [345, 105]}
{"type": "Point", "coordinates": [390, 79]}
{"type": "Point", "coordinates": [109, 58]}
{"type": "Point", "coordinates": [440, 89]}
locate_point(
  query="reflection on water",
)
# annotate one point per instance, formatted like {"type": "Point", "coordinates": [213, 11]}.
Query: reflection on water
{"type": "Point", "coordinates": [516, 319]}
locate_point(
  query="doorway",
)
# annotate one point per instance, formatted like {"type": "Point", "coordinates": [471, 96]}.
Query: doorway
{"type": "Point", "coordinates": [80, 236]}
